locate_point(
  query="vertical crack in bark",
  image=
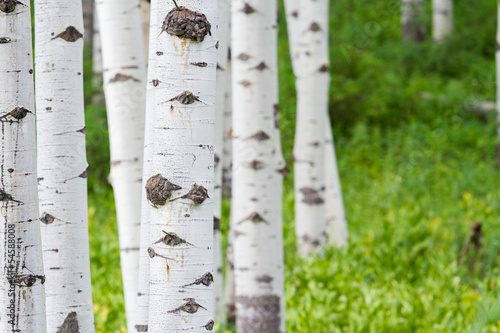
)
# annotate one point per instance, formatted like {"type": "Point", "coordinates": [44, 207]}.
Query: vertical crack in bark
{"type": "Point", "coordinates": [171, 239]}
{"type": "Point", "coordinates": [185, 98]}
{"type": "Point", "coordinates": [70, 324]}
{"type": "Point", "coordinates": [205, 280]}
{"type": "Point", "coordinates": [160, 189]}
{"type": "Point", "coordinates": [190, 307]}
{"type": "Point", "coordinates": [188, 24]}
{"type": "Point", "coordinates": [276, 108]}
{"type": "Point", "coordinates": [70, 34]}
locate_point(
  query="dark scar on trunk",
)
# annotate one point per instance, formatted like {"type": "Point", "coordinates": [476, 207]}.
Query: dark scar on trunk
{"type": "Point", "coordinates": [188, 24]}
{"type": "Point", "coordinates": [265, 310]}
{"type": "Point", "coordinates": [185, 98]}
{"type": "Point", "coordinates": [210, 325]}
{"type": "Point", "coordinates": [261, 67]}
{"type": "Point", "coordinates": [205, 280]}
{"type": "Point", "coordinates": [17, 113]}
{"type": "Point", "coordinates": [171, 239]}
{"type": "Point", "coordinates": [119, 77]}
{"type": "Point", "coordinates": [198, 194]}
{"type": "Point", "coordinates": [311, 196]}
{"type": "Point", "coordinates": [255, 218]}
{"type": "Point", "coordinates": [70, 34]}
{"type": "Point", "coordinates": [243, 57]}
{"type": "Point", "coordinates": [190, 307]}
{"type": "Point", "coordinates": [141, 328]}
{"type": "Point", "coordinates": [25, 280]}
{"type": "Point", "coordinates": [216, 223]}
{"type": "Point", "coordinates": [46, 218]}
{"type": "Point", "coordinates": [84, 174]}
{"type": "Point", "coordinates": [8, 6]}
{"type": "Point", "coordinates": [247, 9]}
{"type": "Point", "coordinates": [199, 64]}
{"type": "Point", "coordinates": [70, 324]}
{"type": "Point", "coordinates": [5, 40]}
{"type": "Point", "coordinates": [260, 136]}
{"type": "Point", "coordinates": [159, 189]}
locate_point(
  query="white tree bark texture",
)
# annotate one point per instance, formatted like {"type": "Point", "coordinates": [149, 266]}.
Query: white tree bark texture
{"type": "Point", "coordinates": [62, 164]}
{"type": "Point", "coordinates": [142, 317]}
{"type": "Point", "coordinates": [257, 169]}
{"type": "Point", "coordinates": [224, 12]}
{"type": "Point", "coordinates": [125, 90]}
{"type": "Point", "coordinates": [181, 185]}
{"type": "Point", "coordinates": [413, 25]}
{"type": "Point", "coordinates": [301, 33]}
{"type": "Point", "coordinates": [442, 19]}
{"type": "Point", "coordinates": [21, 267]}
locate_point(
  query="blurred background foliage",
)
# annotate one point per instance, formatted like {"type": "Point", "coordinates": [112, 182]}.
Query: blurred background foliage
{"type": "Point", "coordinates": [417, 168]}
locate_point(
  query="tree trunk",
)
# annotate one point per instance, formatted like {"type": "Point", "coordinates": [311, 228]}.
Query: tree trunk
{"type": "Point", "coordinates": [498, 83]}
{"type": "Point", "coordinates": [227, 159]}
{"type": "Point", "coordinates": [229, 288]}
{"type": "Point", "coordinates": [337, 230]}
{"type": "Point", "coordinates": [62, 163]}
{"type": "Point", "coordinates": [142, 317]}
{"type": "Point", "coordinates": [146, 16]}
{"type": "Point", "coordinates": [88, 22]}
{"type": "Point", "coordinates": [21, 268]}
{"type": "Point", "coordinates": [125, 90]}
{"type": "Point", "coordinates": [442, 19]}
{"type": "Point", "coordinates": [224, 8]}
{"type": "Point", "coordinates": [181, 186]}
{"type": "Point", "coordinates": [257, 172]}
{"type": "Point", "coordinates": [412, 19]}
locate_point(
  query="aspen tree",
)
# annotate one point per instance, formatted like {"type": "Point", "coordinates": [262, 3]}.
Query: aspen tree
{"type": "Point", "coordinates": [142, 317]}
{"type": "Point", "coordinates": [413, 25]}
{"type": "Point", "coordinates": [125, 89]}
{"type": "Point", "coordinates": [62, 163]}
{"type": "Point", "coordinates": [442, 19]}
{"type": "Point", "coordinates": [146, 16]}
{"type": "Point", "coordinates": [181, 185]}
{"type": "Point", "coordinates": [257, 169]}
{"type": "Point", "coordinates": [21, 267]}
{"type": "Point", "coordinates": [220, 104]}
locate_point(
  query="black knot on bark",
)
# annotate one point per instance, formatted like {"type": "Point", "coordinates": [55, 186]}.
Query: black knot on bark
{"type": "Point", "coordinates": [210, 325]}
{"type": "Point", "coordinates": [5, 40]}
{"type": "Point", "coordinates": [159, 189]}
{"type": "Point", "coordinates": [190, 307]}
{"type": "Point", "coordinates": [185, 98]}
{"type": "Point", "coordinates": [8, 6]}
{"type": "Point", "coordinates": [46, 218]}
{"type": "Point", "coordinates": [207, 279]}
{"type": "Point", "coordinates": [198, 194]}
{"type": "Point", "coordinates": [70, 34]}
{"type": "Point", "coordinates": [188, 24]}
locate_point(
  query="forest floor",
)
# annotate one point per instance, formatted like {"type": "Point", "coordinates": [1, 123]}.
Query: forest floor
{"type": "Point", "coordinates": [417, 169]}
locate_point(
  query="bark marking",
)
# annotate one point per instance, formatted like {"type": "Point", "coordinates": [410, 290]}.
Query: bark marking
{"type": "Point", "coordinates": [255, 218]}
{"type": "Point", "coordinates": [159, 189]}
{"type": "Point", "coordinates": [190, 307]}
{"type": "Point", "coordinates": [262, 313]}
{"type": "Point", "coordinates": [311, 196]}
{"type": "Point", "coordinates": [119, 77]}
{"type": "Point", "coordinates": [216, 223]}
{"type": "Point", "coordinates": [141, 328]}
{"type": "Point", "coordinates": [171, 239]}
{"type": "Point", "coordinates": [210, 325]}
{"type": "Point", "coordinates": [70, 34]}
{"type": "Point", "coordinates": [5, 40]}
{"type": "Point", "coordinates": [46, 218]}
{"type": "Point", "coordinates": [260, 136]}
{"type": "Point", "coordinates": [8, 6]}
{"type": "Point", "coordinates": [205, 280]}
{"type": "Point", "coordinates": [198, 194]}
{"type": "Point", "coordinates": [70, 324]}
{"type": "Point", "coordinates": [188, 24]}
{"type": "Point", "coordinates": [247, 9]}
{"type": "Point", "coordinates": [185, 98]}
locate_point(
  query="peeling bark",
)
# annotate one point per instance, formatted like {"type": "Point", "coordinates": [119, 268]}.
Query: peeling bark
{"type": "Point", "coordinates": [21, 265]}
{"type": "Point", "coordinates": [61, 159]}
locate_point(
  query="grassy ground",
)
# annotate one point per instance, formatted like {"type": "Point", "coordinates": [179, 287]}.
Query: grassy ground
{"type": "Point", "coordinates": [417, 169]}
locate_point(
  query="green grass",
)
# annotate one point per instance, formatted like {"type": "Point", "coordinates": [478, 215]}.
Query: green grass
{"type": "Point", "coordinates": [416, 167]}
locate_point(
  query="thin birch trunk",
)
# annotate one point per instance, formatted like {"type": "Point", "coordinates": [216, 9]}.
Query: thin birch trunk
{"type": "Point", "coordinates": [142, 318]}
{"type": "Point", "coordinates": [336, 222]}
{"type": "Point", "coordinates": [413, 25]}
{"type": "Point", "coordinates": [125, 90]}
{"type": "Point", "coordinates": [257, 172]}
{"type": "Point", "coordinates": [181, 186]}
{"type": "Point", "coordinates": [229, 288]}
{"type": "Point", "coordinates": [62, 163]}
{"type": "Point", "coordinates": [442, 19]}
{"type": "Point", "coordinates": [224, 8]}
{"type": "Point", "coordinates": [227, 159]}
{"type": "Point", "coordinates": [96, 48]}
{"type": "Point", "coordinates": [146, 17]}
{"type": "Point", "coordinates": [88, 22]}
{"type": "Point", "coordinates": [21, 268]}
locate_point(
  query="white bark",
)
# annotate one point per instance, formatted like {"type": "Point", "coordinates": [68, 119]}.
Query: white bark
{"type": "Point", "coordinates": [125, 90]}
{"type": "Point", "coordinates": [227, 159]}
{"type": "Point", "coordinates": [21, 268]}
{"type": "Point", "coordinates": [181, 241]}
{"type": "Point", "coordinates": [257, 163]}
{"type": "Point", "coordinates": [337, 230]}
{"type": "Point", "coordinates": [142, 317]}
{"type": "Point", "coordinates": [413, 25]}
{"type": "Point", "coordinates": [442, 19]}
{"type": "Point", "coordinates": [62, 163]}
{"type": "Point", "coordinates": [224, 8]}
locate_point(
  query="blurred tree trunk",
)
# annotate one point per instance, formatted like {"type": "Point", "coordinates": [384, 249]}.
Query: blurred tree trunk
{"type": "Point", "coordinates": [181, 184]}
{"type": "Point", "coordinates": [125, 89]}
{"type": "Point", "coordinates": [227, 160]}
{"type": "Point", "coordinates": [145, 16]}
{"type": "Point", "coordinates": [142, 317]}
{"type": "Point", "coordinates": [21, 265]}
{"type": "Point", "coordinates": [412, 19]}
{"type": "Point", "coordinates": [224, 8]}
{"type": "Point", "coordinates": [88, 22]}
{"type": "Point", "coordinates": [96, 61]}
{"type": "Point", "coordinates": [62, 163]}
{"type": "Point", "coordinates": [257, 169]}
{"type": "Point", "coordinates": [442, 19]}
{"type": "Point", "coordinates": [498, 82]}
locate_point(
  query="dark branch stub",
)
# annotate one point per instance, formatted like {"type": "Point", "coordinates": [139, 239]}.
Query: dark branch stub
{"type": "Point", "coordinates": [8, 6]}
{"type": "Point", "coordinates": [188, 24]}
{"type": "Point", "coordinates": [70, 34]}
{"type": "Point", "coordinates": [255, 218]}
{"type": "Point", "coordinates": [85, 173]}
{"type": "Point", "coordinates": [185, 98]}
{"type": "Point", "coordinates": [5, 40]}
{"type": "Point", "coordinates": [210, 325]}
{"type": "Point", "coordinates": [46, 218]}
{"type": "Point", "coordinates": [70, 324]}
{"type": "Point", "coordinates": [205, 280]}
{"type": "Point", "coordinates": [17, 113]}
{"type": "Point", "coordinates": [190, 307]}
{"type": "Point", "coordinates": [25, 280]}
{"type": "Point", "coordinates": [171, 239]}
{"type": "Point", "coordinates": [198, 194]}
{"type": "Point", "coordinates": [152, 253]}
{"type": "Point", "coordinates": [159, 189]}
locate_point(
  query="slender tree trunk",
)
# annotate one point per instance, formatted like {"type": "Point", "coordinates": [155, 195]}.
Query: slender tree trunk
{"type": "Point", "coordinates": [88, 22]}
{"type": "Point", "coordinates": [227, 159]}
{"type": "Point", "coordinates": [413, 25]}
{"type": "Point", "coordinates": [498, 82]}
{"type": "Point", "coordinates": [257, 177]}
{"type": "Point", "coordinates": [442, 19]}
{"type": "Point", "coordinates": [62, 163]}
{"type": "Point", "coordinates": [224, 8]}
{"type": "Point", "coordinates": [96, 48]}
{"type": "Point", "coordinates": [145, 16]}
{"type": "Point", "coordinates": [181, 186]}
{"type": "Point", "coordinates": [142, 318]}
{"type": "Point", "coordinates": [230, 296]}
{"type": "Point", "coordinates": [337, 230]}
{"type": "Point", "coordinates": [125, 90]}
{"type": "Point", "coordinates": [21, 268]}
